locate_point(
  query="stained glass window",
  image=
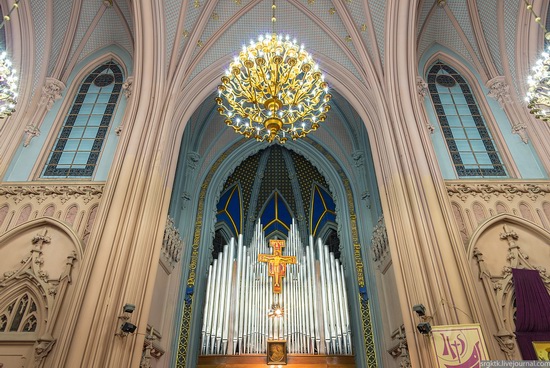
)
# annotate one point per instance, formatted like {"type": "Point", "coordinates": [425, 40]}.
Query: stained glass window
{"type": "Point", "coordinates": [470, 144]}
{"type": "Point", "coordinates": [77, 149]}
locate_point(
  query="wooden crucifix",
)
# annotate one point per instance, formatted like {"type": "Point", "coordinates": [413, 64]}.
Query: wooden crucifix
{"type": "Point", "coordinates": [276, 263]}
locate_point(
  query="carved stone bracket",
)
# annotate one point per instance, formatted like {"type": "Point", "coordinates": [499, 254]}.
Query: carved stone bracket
{"type": "Point", "coordinates": [31, 131]}
{"type": "Point", "coordinates": [506, 190]}
{"type": "Point", "coordinates": [499, 90]}
{"type": "Point", "coordinates": [42, 348]}
{"type": "Point", "coordinates": [127, 87]}
{"type": "Point", "coordinates": [42, 192]}
{"type": "Point", "coordinates": [380, 247]}
{"type": "Point", "coordinates": [400, 349]}
{"type": "Point", "coordinates": [51, 92]}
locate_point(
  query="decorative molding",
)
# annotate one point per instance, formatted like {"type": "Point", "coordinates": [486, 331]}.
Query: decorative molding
{"type": "Point", "coordinates": [358, 158]}
{"type": "Point", "coordinates": [51, 92]}
{"type": "Point", "coordinates": [42, 348]}
{"type": "Point", "coordinates": [521, 130]}
{"type": "Point", "coordinates": [41, 192]}
{"type": "Point", "coordinates": [499, 287]}
{"type": "Point", "coordinates": [400, 349]}
{"type": "Point", "coordinates": [52, 290]}
{"type": "Point", "coordinates": [502, 190]}
{"type": "Point", "coordinates": [31, 131]}
{"type": "Point", "coordinates": [172, 245]}
{"type": "Point", "coordinates": [128, 86]}
{"type": "Point", "coordinates": [421, 87]}
{"type": "Point", "coordinates": [379, 245]}
{"type": "Point", "coordinates": [193, 160]}
{"type": "Point", "coordinates": [499, 90]}
{"type": "Point", "coordinates": [118, 130]}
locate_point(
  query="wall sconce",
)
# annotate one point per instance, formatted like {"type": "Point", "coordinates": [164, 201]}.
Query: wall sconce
{"type": "Point", "coordinates": [126, 327]}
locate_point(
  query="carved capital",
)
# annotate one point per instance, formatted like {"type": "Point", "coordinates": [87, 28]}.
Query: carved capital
{"type": "Point", "coordinates": [51, 92]}
{"type": "Point", "coordinates": [128, 87]}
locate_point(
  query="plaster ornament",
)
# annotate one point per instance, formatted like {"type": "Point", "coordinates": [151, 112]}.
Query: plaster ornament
{"type": "Point", "coordinates": [127, 87]}
{"type": "Point", "coordinates": [506, 341]}
{"type": "Point", "coordinates": [51, 92]}
{"type": "Point", "coordinates": [42, 348]}
{"type": "Point", "coordinates": [31, 131]}
{"type": "Point", "coordinates": [118, 130]}
{"type": "Point", "coordinates": [520, 129]}
{"type": "Point", "coordinates": [499, 90]}
{"type": "Point", "coordinates": [421, 86]}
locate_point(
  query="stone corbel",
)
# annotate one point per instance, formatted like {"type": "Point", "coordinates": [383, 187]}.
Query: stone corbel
{"type": "Point", "coordinates": [31, 131]}
{"type": "Point", "coordinates": [507, 343]}
{"type": "Point", "coordinates": [499, 90]}
{"type": "Point", "coordinates": [42, 348]}
{"type": "Point", "coordinates": [51, 92]}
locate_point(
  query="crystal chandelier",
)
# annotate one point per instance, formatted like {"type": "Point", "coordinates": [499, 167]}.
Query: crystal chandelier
{"type": "Point", "coordinates": [8, 87]}
{"type": "Point", "coordinates": [8, 77]}
{"type": "Point", "coordinates": [273, 90]}
{"type": "Point", "coordinates": [538, 94]}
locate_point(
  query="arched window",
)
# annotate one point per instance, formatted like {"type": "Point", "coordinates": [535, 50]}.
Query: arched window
{"type": "Point", "coordinates": [77, 149]}
{"type": "Point", "coordinates": [472, 149]}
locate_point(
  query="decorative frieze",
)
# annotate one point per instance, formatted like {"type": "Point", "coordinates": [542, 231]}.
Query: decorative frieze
{"type": "Point", "coordinates": [171, 246]}
{"type": "Point", "coordinates": [76, 205]}
{"type": "Point", "coordinates": [487, 191]}
{"type": "Point", "coordinates": [41, 193]}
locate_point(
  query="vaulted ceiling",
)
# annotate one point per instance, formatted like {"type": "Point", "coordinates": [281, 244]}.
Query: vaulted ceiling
{"type": "Point", "coordinates": [351, 33]}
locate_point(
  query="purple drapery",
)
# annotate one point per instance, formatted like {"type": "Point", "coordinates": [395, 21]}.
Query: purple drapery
{"type": "Point", "coordinates": [532, 311]}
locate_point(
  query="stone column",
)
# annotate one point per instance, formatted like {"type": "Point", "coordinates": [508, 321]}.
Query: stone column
{"type": "Point", "coordinates": [430, 263]}
{"type": "Point", "coordinates": [123, 250]}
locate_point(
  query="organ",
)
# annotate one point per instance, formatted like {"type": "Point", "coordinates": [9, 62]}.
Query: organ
{"type": "Point", "coordinates": [240, 294]}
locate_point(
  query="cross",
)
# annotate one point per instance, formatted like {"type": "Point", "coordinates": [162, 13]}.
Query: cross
{"type": "Point", "coordinates": [277, 263]}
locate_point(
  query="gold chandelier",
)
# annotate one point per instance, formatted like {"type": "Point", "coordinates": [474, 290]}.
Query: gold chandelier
{"type": "Point", "coordinates": [273, 91]}
{"type": "Point", "coordinates": [538, 94]}
{"type": "Point", "coordinates": [8, 76]}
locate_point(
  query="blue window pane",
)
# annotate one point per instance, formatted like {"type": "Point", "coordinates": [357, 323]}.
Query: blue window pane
{"type": "Point", "coordinates": [66, 158]}
{"type": "Point", "coordinates": [90, 132]}
{"type": "Point", "coordinates": [76, 132]}
{"type": "Point", "coordinates": [71, 144]}
{"type": "Point", "coordinates": [469, 141]}
{"type": "Point", "coordinates": [77, 149]}
{"type": "Point", "coordinates": [80, 120]}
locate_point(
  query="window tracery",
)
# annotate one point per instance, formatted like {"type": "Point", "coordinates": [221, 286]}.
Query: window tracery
{"type": "Point", "coordinates": [469, 141]}
{"type": "Point", "coordinates": [77, 149]}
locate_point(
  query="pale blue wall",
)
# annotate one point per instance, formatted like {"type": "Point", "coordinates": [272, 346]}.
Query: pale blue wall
{"type": "Point", "coordinates": [20, 168]}
{"type": "Point", "coordinates": [524, 155]}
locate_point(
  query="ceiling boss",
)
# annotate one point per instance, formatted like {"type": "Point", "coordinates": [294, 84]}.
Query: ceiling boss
{"type": "Point", "coordinates": [273, 90]}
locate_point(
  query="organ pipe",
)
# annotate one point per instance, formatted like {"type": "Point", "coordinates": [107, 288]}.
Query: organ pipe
{"type": "Point", "coordinates": [239, 296]}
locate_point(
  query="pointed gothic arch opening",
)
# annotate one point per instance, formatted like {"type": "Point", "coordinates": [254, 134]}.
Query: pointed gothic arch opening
{"type": "Point", "coordinates": [213, 162]}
